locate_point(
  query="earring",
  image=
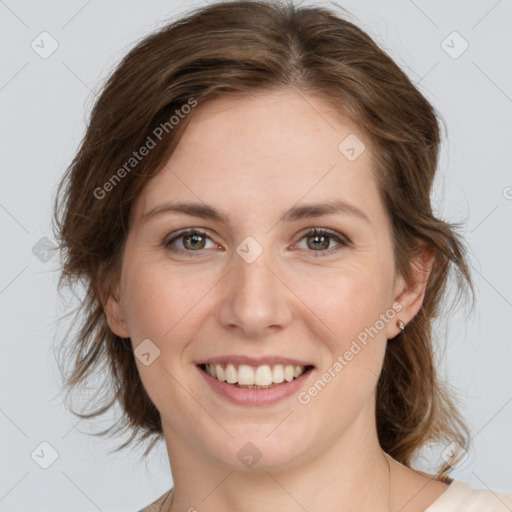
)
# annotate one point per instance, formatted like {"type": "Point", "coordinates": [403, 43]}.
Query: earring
{"type": "Point", "coordinates": [400, 324]}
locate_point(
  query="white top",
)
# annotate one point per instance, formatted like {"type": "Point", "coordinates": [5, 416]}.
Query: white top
{"type": "Point", "coordinates": [458, 497]}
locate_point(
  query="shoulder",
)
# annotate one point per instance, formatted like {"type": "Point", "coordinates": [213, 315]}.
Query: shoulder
{"type": "Point", "coordinates": [156, 505]}
{"type": "Point", "coordinates": [459, 496]}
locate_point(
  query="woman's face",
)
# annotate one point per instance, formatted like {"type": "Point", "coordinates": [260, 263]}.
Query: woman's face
{"type": "Point", "coordinates": [257, 283]}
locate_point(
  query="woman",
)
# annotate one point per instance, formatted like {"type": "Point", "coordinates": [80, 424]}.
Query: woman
{"type": "Point", "coordinates": [250, 211]}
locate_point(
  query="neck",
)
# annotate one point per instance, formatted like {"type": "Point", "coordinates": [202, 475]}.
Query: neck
{"type": "Point", "coordinates": [353, 472]}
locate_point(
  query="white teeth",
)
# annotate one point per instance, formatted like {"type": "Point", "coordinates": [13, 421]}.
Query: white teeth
{"type": "Point", "coordinates": [246, 375]}
{"type": "Point", "coordinates": [263, 376]}
{"type": "Point", "coordinates": [289, 370]}
{"type": "Point", "coordinates": [278, 374]}
{"type": "Point", "coordinates": [220, 372]}
{"type": "Point", "coordinates": [231, 374]}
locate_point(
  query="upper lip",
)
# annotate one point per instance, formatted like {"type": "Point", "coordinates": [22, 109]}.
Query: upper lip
{"type": "Point", "coordinates": [254, 361]}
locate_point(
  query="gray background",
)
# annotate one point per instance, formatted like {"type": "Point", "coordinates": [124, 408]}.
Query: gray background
{"type": "Point", "coordinates": [44, 104]}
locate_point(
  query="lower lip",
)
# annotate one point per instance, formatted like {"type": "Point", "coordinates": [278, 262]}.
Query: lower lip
{"type": "Point", "coordinates": [243, 396]}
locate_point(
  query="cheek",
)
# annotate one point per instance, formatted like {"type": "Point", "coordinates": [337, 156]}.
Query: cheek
{"type": "Point", "coordinates": [162, 304]}
{"type": "Point", "coordinates": [350, 302]}
{"type": "Point", "coordinates": [347, 299]}
{"type": "Point", "coordinates": [355, 339]}
{"type": "Point", "coordinates": [161, 299]}
{"type": "Point", "coordinates": [148, 312]}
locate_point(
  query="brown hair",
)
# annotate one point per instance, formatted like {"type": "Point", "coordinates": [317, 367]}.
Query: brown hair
{"type": "Point", "coordinates": [244, 47]}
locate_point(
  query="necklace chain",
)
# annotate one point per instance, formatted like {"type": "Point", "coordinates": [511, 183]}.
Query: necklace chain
{"type": "Point", "coordinates": [389, 481]}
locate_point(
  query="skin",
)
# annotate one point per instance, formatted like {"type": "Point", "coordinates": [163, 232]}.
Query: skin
{"type": "Point", "coordinates": [255, 157]}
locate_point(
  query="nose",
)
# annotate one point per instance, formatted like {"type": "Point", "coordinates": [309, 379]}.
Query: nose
{"type": "Point", "coordinates": [256, 299]}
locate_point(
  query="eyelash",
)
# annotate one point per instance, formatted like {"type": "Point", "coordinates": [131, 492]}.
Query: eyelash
{"type": "Point", "coordinates": [333, 235]}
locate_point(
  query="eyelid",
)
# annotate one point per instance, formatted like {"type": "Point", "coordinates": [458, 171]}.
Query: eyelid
{"type": "Point", "coordinates": [186, 231]}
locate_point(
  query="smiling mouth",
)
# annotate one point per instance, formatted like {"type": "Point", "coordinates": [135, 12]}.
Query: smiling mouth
{"type": "Point", "coordinates": [251, 377]}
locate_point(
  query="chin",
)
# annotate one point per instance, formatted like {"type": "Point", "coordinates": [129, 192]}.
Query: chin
{"type": "Point", "coordinates": [259, 448]}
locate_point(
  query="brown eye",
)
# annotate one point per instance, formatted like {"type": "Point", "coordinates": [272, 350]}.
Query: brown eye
{"type": "Point", "coordinates": [188, 241]}
{"type": "Point", "coordinates": [319, 240]}
{"type": "Point", "coordinates": [195, 241]}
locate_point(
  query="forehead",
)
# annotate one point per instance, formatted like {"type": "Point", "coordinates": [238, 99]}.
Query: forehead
{"type": "Point", "coordinates": [265, 151]}
{"type": "Point", "coordinates": [278, 124]}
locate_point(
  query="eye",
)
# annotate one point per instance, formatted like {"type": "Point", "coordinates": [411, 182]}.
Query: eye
{"type": "Point", "coordinates": [191, 240]}
{"type": "Point", "coordinates": [320, 239]}
{"type": "Point", "coordinates": [195, 240]}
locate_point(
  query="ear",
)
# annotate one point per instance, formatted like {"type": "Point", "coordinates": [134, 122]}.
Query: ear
{"type": "Point", "coordinates": [114, 311]}
{"type": "Point", "coordinates": [411, 292]}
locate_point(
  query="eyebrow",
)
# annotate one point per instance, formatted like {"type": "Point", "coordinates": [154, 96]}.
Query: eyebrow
{"type": "Point", "coordinates": [294, 214]}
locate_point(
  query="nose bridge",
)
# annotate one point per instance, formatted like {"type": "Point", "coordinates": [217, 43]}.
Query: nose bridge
{"type": "Point", "coordinates": [255, 298]}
